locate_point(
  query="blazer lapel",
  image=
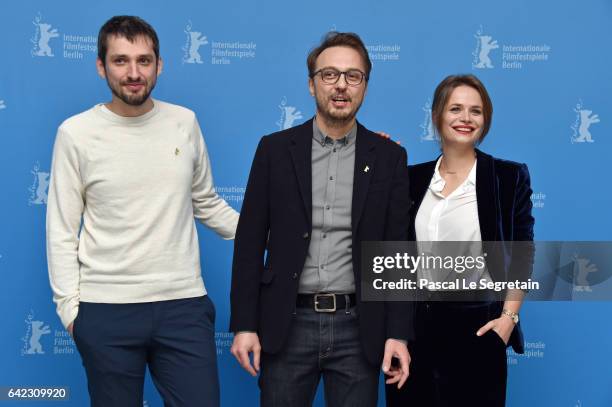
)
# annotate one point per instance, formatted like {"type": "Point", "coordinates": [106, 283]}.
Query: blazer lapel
{"type": "Point", "coordinates": [420, 178]}
{"type": "Point", "coordinates": [365, 159]}
{"type": "Point", "coordinates": [301, 154]}
{"type": "Point", "coordinates": [486, 196]}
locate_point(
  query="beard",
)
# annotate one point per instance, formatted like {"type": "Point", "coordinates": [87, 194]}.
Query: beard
{"type": "Point", "coordinates": [132, 99]}
{"type": "Point", "coordinates": [335, 117]}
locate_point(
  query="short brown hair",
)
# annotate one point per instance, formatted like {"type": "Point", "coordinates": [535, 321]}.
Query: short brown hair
{"type": "Point", "coordinates": [338, 39]}
{"type": "Point", "coordinates": [444, 90]}
{"type": "Point", "coordinates": [128, 27]}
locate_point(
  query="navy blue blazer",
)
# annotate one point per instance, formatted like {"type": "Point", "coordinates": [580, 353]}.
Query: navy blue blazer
{"type": "Point", "coordinates": [503, 193]}
{"type": "Point", "coordinates": [275, 222]}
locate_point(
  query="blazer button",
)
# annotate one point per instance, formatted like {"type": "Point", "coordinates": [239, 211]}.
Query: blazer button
{"type": "Point", "coordinates": [295, 276]}
{"type": "Point", "coordinates": [305, 235]}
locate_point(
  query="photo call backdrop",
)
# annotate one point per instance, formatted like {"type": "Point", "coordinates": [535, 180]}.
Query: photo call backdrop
{"type": "Point", "coordinates": [241, 66]}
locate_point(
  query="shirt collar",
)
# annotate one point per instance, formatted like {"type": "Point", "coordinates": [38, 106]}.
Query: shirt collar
{"type": "Point", "coordinates": [437, 182]}
{"type": "Point", "coordinates": [323, 139]}
{"type": "Point", "coordinates": [471, 179]}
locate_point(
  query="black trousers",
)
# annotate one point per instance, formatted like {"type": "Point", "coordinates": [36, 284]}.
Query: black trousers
{"type": "Point", "coordinates": [451, 366]}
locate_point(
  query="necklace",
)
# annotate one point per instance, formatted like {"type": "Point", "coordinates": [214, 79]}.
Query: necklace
{"type": "Point", "coordinates": [445, 170]}
{"type": "Point", "coordinates": [442, 162]}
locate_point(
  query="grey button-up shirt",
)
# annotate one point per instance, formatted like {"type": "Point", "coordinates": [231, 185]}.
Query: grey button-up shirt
{"type": "Point", "coordinates": [329, 264]}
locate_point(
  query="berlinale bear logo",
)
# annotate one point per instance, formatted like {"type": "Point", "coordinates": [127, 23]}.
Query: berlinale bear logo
{"type": "Point", "coordinates": [34, 331]}
{"type": "Point", "coordinates": [289, 114]}
{"type": "Point", "coordinates": [584, 119]}
{"type": "Point", "coordinates": [195, 40]}
{"type": "Point", "coordinates": [41, 38]}
{"type": "Point", "coordinates": [428, 133]}
{"type": "Point", "coordinates": [40, 185]}
{"type": "Point", "coordinates": [484, 45]}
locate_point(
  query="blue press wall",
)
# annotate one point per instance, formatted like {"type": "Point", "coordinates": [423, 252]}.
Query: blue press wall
{"type": "Point", "coordinates": [547, 65]}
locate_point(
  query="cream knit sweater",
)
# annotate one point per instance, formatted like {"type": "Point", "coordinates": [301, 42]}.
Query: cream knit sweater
{"type": "Point", "coordinates": [123, 195]}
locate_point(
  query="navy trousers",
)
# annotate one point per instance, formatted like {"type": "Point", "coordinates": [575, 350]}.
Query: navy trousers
{"type": "Point", "coordinates": [176, 339]}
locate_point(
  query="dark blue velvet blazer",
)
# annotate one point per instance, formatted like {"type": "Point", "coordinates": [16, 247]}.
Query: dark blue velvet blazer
{"type": "Point", "coordinates": [503, 192]}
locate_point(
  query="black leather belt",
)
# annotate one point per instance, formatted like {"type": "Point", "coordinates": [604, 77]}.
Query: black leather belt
{"type": "Point", "coordinates": [325, 302]}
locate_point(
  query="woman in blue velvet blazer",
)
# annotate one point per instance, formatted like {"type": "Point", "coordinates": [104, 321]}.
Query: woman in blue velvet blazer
{"type": "Point", "coordinates": [459, 352]}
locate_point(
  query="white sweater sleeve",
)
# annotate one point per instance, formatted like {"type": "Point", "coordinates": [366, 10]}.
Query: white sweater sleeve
{"type": "Point", "coordinates": [64, 210]}
{"type": "Point", "coordinates": [208, 207]}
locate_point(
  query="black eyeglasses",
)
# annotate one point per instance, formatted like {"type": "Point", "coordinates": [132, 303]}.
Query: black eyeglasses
{"type": "Point", "coordinates": [330, 76]}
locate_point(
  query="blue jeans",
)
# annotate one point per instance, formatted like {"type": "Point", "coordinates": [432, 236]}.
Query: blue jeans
{"type": "Point", "coordinates": [320, 344]}
{"type": "Point", "coordinates": [176, 339]}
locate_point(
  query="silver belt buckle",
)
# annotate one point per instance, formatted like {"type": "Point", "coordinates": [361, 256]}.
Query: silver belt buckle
{"type": "Point", "coordinates": [316, 303]}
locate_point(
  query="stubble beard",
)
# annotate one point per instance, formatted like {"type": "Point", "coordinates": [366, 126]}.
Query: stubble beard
{"type": "Point", "coordinates": [338, 118]}
{"type": "Point", "coordinates": [132, 100]}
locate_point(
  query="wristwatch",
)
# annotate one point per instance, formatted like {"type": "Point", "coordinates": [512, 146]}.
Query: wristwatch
{"type": "Point", "coordinates": [513, 315]}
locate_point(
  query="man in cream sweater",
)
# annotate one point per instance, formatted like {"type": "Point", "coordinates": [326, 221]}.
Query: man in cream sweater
{"type": "Point", "coordinates": [127, 179]}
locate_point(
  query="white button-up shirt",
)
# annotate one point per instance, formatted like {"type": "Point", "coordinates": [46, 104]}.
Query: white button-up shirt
{"type": "Point", "coordinates": [450, 218]}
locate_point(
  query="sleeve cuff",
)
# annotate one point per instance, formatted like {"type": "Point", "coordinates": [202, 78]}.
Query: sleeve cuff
{"type": "Point", "coordinates": [68, 312]}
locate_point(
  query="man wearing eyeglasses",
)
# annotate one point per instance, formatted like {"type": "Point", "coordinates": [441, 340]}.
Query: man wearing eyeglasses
{"type": "Point", "coordinates": [315, 192]}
